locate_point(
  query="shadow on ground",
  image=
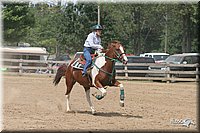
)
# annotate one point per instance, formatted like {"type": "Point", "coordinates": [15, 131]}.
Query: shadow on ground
{"type": "Point", "coordinates": [110, 114]}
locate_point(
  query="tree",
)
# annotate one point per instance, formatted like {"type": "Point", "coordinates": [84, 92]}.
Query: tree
{"type": "Point", "coordinates": [17, 20]}
{"type": "Point", "coordinates": [140, 27]}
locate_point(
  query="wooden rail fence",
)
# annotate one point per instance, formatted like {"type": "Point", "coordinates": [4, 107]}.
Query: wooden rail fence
{"type": "Point", "coordinates": [164, 75]}
{"type": "Point", "coordinates": [28, 67]}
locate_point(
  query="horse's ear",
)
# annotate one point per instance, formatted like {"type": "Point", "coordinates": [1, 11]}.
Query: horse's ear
{"type": "Point", "coordinates": [108, 47]}
{"type": "Point", "coordinates": [111, 45]}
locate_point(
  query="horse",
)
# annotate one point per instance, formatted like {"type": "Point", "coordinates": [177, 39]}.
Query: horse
{"type": "Point", "coordinates": [101, 75]}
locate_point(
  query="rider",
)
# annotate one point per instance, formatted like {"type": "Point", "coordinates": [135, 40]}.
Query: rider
{"type": "Point", "coordinates": [92, 43]}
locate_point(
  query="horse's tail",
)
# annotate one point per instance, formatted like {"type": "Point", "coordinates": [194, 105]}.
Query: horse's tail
{"type": "Point", "coordinates": [60, 72]}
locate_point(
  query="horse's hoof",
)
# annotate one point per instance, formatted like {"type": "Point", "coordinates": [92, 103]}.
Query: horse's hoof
{"type": "Point", "coordinates": [93, 112]}
{"type": "Point", "coordinates": [121, 103]}
{"type": "Point", "coordinates": [70, 111]}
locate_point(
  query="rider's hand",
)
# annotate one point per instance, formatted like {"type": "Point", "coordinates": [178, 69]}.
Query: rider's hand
{"type": "Point", "coordinates": [100, 47]}
{"type": "Point", "coordinates": [98, 51]}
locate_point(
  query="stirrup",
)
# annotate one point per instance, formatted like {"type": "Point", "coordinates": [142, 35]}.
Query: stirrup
{"type": "Point", "coordinates": [84, 74]}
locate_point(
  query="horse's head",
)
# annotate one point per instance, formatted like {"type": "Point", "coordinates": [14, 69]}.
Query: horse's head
{"type": "Point", "coordinates": [118, 51]}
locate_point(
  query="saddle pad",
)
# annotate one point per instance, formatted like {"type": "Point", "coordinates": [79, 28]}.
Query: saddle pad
{"type": "Point", "coordinates": [78, 65]}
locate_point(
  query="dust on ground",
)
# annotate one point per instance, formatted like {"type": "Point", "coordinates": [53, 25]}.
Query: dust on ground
{"type": "Point", "coordinates": [33, 103]}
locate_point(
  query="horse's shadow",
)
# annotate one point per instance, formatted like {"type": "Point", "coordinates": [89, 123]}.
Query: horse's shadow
{"type": "Point", "coordinates": [110, 114]}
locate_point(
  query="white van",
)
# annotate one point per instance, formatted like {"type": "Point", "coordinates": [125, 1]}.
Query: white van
{"type": "Point", "coordinates": [27, 53]}
{"type": "Point", "coordinates": [158, 57]}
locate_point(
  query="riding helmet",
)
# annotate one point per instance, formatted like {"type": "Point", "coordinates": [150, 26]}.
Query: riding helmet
{"type": "Point", "coordinates": [97, 27]}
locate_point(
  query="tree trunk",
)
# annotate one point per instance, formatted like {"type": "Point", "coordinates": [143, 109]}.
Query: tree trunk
{"type": "Point", "coordinates": [189, 43]}
{"type": "Point", "coordinates": [138, 33]}
{"type": "Point", "coordinates": [57, 50]}
{"type": "Point", "coordinates": [139, 30]}
{"type": "Point", "coordinates": [184, 34]}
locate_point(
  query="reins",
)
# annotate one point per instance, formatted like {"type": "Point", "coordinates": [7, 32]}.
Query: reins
{"type": "Point", "coordinates": [114, 60]}
{"type": "Point", "coordinates": [119, 55]}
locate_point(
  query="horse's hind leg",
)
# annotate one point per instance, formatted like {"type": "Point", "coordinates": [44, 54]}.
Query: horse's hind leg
{"type": "Point", "coordinates": [67, 101]}
{"type": "Point", "coordinates": [69, 84]}
{"type": "Point", "coordinates": [87, 91]}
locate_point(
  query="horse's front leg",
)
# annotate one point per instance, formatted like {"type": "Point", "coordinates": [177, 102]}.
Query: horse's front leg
{"type": "Point", "coordinates": [118, 84]}
{"type": "Point", "coordinates": [101, 89]}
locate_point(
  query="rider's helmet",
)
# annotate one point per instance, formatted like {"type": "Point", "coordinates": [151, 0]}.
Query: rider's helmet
{"type": "Point", "coordinates": [97, 27]}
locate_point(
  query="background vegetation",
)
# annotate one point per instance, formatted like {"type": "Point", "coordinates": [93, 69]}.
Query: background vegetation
{"type": "Point", "coordinates": [158, 27]}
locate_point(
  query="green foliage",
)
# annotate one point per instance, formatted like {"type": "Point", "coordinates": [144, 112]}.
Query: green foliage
{"type": "Point", "coordinates": [140, 27]}
{"type": "Point", "coordinates": [17, 21]}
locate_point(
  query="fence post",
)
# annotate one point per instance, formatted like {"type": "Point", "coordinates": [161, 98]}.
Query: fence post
{"type": "Point", "coordinates": [20, 67]}
{"type": "Point", "coordinates": [168, 74]}
{"type": "Point", "coordinates": [126, 71]}
{"type": "Point", "coordinates": [197, 72]}
{"type": "Point", "coordinates": [50, 67]}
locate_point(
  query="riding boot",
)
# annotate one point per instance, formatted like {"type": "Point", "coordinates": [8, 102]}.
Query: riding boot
{"type": "Point", "coordinates": [84, 74]}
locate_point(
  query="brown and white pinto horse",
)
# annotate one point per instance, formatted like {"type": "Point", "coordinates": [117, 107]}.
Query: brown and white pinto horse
{"type": "Point", "coordinates": [102, 74]}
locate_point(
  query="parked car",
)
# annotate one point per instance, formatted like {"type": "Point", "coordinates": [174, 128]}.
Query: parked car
{"type": "Point", "coordinates": [64, 57]}
{"type": "Point", "coordinates": [135, 59]}
{"type": "Point", "coordinates": [158, 57]}
{"type": "Point", "coordinates": [185, 58]}
{"type": "Point", "coordinates": [77, 55]}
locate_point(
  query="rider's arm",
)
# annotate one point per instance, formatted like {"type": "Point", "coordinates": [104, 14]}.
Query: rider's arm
{"type": "Point", "coordinates": [91, 41]}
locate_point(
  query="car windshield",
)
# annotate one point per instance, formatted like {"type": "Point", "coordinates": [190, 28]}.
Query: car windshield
{"type": "Point", "coordinates": [160, 57]}
{"type": "Point", "coordinates": [63, 58]}
{"type": "Point", "coordinates": [77, 55]}
{"type": "Point", "coordinates": [174, 59]}
{"type": "Point", "coordinates": [140, 60]}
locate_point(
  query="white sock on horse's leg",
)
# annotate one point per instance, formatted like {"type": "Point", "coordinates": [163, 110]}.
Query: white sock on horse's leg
{"type": "Point", "coordinates": [103, 91]}
{"type": "Point", "coordinates": [68, 106]}
{"type": "Point", "coordinates": [89, 100]}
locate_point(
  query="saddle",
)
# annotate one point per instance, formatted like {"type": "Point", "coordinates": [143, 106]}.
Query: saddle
{"type": "Point", "coordinates": [80, 62]}
{"type": "Point", "coordinates": [82, 58]}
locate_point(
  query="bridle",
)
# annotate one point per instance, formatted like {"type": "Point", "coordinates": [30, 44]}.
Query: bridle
{"type": "Point", "coordinates": [118, 55]}
{"type": "Point", "coordinates": [114, 60]}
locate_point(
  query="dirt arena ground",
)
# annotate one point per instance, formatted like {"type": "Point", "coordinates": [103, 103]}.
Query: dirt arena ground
{"type": "Point", "coordinates": [33, 103]}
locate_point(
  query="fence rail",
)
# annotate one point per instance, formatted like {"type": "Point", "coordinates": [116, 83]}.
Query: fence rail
{"type": "Point", "coordinates": [167, 74]}
{"type": "Point", "coordinates": [35, 67]}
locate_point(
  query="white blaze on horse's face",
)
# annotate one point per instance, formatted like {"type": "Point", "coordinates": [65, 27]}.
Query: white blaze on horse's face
{"type": "Point", "coordinates": [125, 59]}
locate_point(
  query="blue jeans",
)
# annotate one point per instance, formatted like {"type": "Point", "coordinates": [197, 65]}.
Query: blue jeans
{"type": "Point", "coordinates": [86, 52]}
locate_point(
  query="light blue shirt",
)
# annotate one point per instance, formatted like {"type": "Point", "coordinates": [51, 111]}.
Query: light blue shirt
{"type": "Point", "coordinates": [93, 41]}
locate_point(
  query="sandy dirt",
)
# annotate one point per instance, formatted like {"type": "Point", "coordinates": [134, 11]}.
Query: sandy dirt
{"type": "Point", "coordinates": [33, 103]}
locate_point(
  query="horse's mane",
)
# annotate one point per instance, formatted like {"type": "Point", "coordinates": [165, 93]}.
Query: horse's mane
{"type": "Point", "coordinates": [113, 42]}
{"type": "Point", "coordinates": [110, 45]}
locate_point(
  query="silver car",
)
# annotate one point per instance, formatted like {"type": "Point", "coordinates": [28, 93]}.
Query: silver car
{"type": "Point", "coordinates": [185, 58]}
